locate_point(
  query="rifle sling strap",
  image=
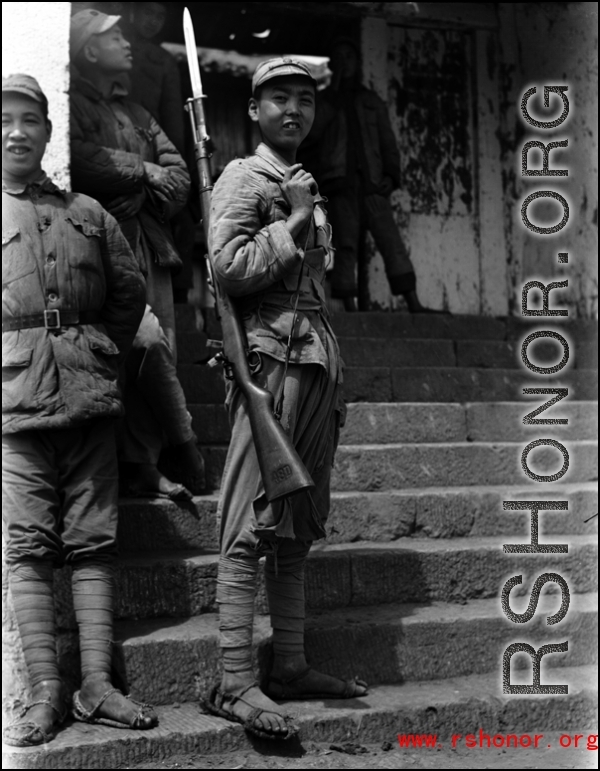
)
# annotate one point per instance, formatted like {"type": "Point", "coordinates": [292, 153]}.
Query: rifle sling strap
{"type": "Point", "coordinates": [278, 411]}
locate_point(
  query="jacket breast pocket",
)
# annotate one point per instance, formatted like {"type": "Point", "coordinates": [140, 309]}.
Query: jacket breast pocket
{"type": "Point", "coordinates": [83, 244]}
{"type": "Point", "coordinates": [17, 261]}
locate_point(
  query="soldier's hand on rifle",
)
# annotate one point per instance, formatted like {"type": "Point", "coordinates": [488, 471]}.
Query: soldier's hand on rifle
{"type": "Point", "coordinates": [299, 188]}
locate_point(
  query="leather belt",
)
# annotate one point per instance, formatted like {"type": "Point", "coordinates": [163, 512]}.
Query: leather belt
{"type": "Point", "coordinates": [51, 319]}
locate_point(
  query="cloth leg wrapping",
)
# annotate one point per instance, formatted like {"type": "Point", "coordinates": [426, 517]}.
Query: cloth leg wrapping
{"type": "Point", "coordinates": [236, 587]}
{"type": "Point", "coordinates": [92, 584]}
{"type": "Point", "coordinates": [31, 585]}
{"type": "Point", "coordinates": [285, 592]}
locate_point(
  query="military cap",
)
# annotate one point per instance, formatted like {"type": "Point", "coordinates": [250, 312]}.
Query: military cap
{"type": "Point", "coordinates": [85, 24]}
{"type": "Point", "coordinates": [279, 68]}
{"type": "Point", "coordinates": [25, 84]}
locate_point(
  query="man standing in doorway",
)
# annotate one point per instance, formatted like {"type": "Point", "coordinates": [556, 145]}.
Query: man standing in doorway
{"type": "Point", "coordinates": [353, 155]}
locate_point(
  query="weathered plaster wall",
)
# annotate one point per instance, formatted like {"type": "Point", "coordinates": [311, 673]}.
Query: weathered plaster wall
{"type": "Point", "coordinates": [35, 40]}
{"type": "Point", "coordinates": [426, 77]}
{"type": "Point", "coordinates": [552, 44]}
{"type": "Point", "coordinates": [475, 259]}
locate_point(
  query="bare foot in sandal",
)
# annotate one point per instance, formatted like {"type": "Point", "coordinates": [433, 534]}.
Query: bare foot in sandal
{"type": "Point", "coordinates": [270, 720]}
{"type": "Point", "coordinates": [37, 724]}
{"type": "Point", "coordinates": [292, 678]}
{"type": "Point", "coordinates": [115, 707]}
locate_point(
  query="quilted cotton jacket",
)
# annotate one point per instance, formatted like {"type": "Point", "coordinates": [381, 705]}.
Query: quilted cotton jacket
{"type": "Point", "coordinates": [257, 260]}
{"type": "Point", "coordinates": [62, 251]}
{"type": "Point", "coordinates": [111, 141]}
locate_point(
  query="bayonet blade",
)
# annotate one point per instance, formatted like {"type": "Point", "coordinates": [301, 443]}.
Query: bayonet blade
{"type": "Point", "coordinates": [192, 54]}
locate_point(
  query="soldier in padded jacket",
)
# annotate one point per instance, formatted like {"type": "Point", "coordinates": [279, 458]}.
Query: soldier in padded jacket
{"type": "Point", "coordinates": [72, 300]}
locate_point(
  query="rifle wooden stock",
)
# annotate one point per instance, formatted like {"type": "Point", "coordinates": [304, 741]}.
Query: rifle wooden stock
{"type": "Point", "coordinates": [282, 471]}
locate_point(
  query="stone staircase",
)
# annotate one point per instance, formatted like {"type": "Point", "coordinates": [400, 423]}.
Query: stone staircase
{"type": "Point", "coordinates": [405, 592]}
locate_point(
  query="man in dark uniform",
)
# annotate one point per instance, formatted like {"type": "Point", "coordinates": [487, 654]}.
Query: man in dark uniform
{"type": "Point", "coordinates": [122, 156]}
{"type": "Point", "coordinates": [72, 300]}
{"type": "Point", "coordinates": [353, 154]}
{"type": "Point", "coordinates": [156, 85]}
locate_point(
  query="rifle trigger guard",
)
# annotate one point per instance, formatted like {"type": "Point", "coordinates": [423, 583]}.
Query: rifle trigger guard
{"type": "Point", "coordinates": [254, 362]}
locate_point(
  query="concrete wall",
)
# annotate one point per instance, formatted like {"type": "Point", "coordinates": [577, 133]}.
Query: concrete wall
{"type": "Point", "coordinates": [35, 40]}
{"type": "Point", "coordinates": [552, 44]}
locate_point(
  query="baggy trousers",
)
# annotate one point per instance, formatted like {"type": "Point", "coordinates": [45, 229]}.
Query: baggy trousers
{"type": "Point", "coordinates": [311, 417]}
{"type": "Point", "coordinates": [59, 493]}
{"type": "Point", "coordinates": [248, 523]}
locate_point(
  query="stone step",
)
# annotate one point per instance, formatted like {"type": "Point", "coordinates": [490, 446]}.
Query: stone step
{"type": "Point", "coordinates": [456, 705]}
{"type": "Point", "coordinates": [433, 422]}
{"type": "Point", "coordinates": [376, 467]}
{"type": "Point", "coordinates": [168, 662]}
{"type": "Point", "coordinates": [403, 325]}
{"type": "Point", "coordinates": [396, 466]}
{"type": "Point", "coordinates": [180, 584]}
{"type": "Point", "coordinates": [205, 385]}
{"type": "Point", "coordinates": [402, 352]}
{"type": "Point", "coordinates": [435, 512]}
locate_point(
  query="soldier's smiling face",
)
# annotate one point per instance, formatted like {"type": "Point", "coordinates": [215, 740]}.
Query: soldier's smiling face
{"type": "Point", "coordinates": [284, 108]}
{"type": "Point", "coordinates": [25, 134]}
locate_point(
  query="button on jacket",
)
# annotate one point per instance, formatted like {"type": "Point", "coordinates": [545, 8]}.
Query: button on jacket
{"type": "Point", "coordinates": [62, 251]}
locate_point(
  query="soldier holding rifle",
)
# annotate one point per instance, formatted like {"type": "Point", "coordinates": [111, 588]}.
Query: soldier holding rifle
{"type": "Point", "coordinates": [269, 247]}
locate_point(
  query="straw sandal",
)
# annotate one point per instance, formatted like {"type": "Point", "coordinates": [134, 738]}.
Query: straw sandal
{"type": "Point", "coordinates": [221, 704]}
{"type": "Point", "coordinates": [34, 733]}
{"type": "Point", "coordinates": [89, 715]}
{"type": "Point", "coordinates": [283, 692]}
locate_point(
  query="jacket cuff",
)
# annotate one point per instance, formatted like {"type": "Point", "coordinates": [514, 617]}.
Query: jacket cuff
{"type": "Point", "coordinates": [288, 256]}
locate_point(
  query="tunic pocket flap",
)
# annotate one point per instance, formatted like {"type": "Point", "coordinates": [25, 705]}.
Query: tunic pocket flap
{"type": "Point", "coordinates": [16, 357]}
{"type": "Point", "coordinates": [8, 234]}
{"type": "Point", "coordinates": [85, 226]}
{"type": "Point", "coordinates": [104, 345]}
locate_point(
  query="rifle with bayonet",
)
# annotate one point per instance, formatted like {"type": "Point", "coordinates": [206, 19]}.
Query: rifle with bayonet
{"type": "Point", "coordinates": [282, 471]}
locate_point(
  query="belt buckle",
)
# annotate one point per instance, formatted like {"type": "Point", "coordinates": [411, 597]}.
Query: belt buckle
{"type": "Point", "coordinates": [52, 319]}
